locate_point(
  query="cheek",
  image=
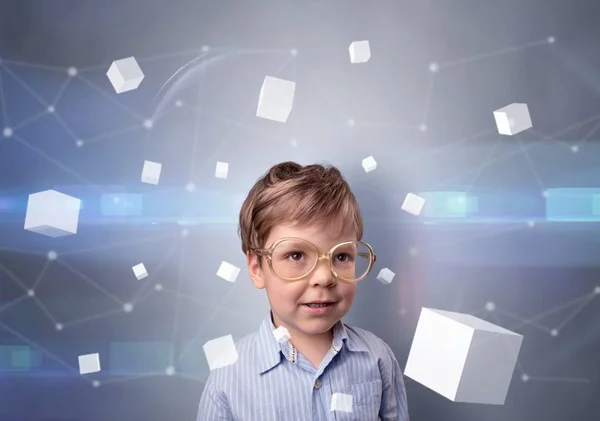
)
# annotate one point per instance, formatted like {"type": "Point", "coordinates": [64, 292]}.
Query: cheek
{"type": "Point", "coordinates": [348, 291]}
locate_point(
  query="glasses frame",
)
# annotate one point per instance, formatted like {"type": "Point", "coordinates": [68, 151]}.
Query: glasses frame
{"type": "Point", "coordinates": [268, 254]}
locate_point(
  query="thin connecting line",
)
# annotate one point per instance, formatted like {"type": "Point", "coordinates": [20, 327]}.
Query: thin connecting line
{"type": "Point", "coordinates": [155, 270]}
{"type": "Point", "coordinates": [111, 98]}
{"type": "Point", "coordinates": [491, 154]}
{"type": "Point", "coordinates": [177, 301]}
{"type": "Point", "coordinates": [429, 98]}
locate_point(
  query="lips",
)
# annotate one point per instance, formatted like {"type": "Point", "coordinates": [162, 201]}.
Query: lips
{"type": "Point", "coordinates": [319, 303]}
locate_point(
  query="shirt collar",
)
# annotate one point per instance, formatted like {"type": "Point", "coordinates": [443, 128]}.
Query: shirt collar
{"type": "Point", "coordinates": [271, 351]}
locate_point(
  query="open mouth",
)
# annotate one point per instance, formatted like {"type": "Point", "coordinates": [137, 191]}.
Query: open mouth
{"type": "Point", "coordinates": [319, 305]}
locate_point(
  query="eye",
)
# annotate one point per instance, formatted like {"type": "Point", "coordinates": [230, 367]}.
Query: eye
{"type": "Point", "coordinates": [295, 256]}
{"type": "Point", "coordinates": [343, 257]}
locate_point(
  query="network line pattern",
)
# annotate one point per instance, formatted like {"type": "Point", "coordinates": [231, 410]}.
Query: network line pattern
{"type": "Point", "coordinates": [11, 131]}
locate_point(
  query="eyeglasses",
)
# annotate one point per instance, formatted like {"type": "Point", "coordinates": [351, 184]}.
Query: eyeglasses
{"type": "Point", "coordinates": [293, 259]}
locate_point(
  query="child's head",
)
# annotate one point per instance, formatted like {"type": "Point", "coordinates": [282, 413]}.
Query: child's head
{"type": "Point", "coordinates": [291, 216]}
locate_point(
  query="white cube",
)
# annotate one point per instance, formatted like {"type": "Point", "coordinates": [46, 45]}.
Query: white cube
{"type": "Point", "coordinates": [89, 363]}
{"type": "Point", "coordinates": [512, 119]}
{"type": "Point", "coordinates": [222, 170]}
{"type": "Point", "coordinates": [281, 334]}
{"type": "Point", "coordinates": [220, 352]}
{"type": "Point", "coordinates": [228, 272]}
{"type": "Point", "coordinates": [140, 271]}
{"type": "Point", "coordinates": [463, 358]}
{"type": "Point", "coordinates": [385, 276]}
{"type": "Point", "coordinates": [151, 172]}
{"type": "Point", "coordinates": [125, 75]}
{"type": "Point", "coordinates": [341, 402]}
{"type": "Point", "coordinates": [360, 52]}
{"type": "Point", "coordinates": [369, 164]}
{"type": "Point", "coordinates": [52, 213]}
{"type": "Point", "coordinates": [413, 204]}
{"type": "Point", "coordinates": [276, 99]}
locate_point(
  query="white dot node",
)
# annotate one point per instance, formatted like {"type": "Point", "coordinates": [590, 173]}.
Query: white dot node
{"type": "Point", "coordinates": [575, 148]}
{"type": "Point", "coordinates": [190, 187]}
{"type": "Point", "coordinates": [413, 251]}
{"type": "Point", "coordinates": [51, 109]}
{"type": "Point", "coordinates": [551, 40]}
{"type": "Point", "coordinates": [158, 287]}
{"type": "Point", "coordinates": [59, 327]}
{"type": "Point", "coordinates": [554, 332]}
{"type": "Point", "coordinates": [531, 223]}
{"type": "Point", "coordinates": [79, 143]}
{"type": "Point", "coordinates": [184, 232]}
{"type": "Point", "coordinates": [52, 255]}
{"type": "Point", "coordinates": [597, 290]}
{"type": "Point", "coordinates": [8, 132]}
{"type": "Point", "coordinates": [72, 71]}
{"type": "Point", "coordinates": [294, 52]}
{"type": "Point", "coordinates": [128, 307]}
{"type": "Point", "coordinates": [489, 306]}
{"type": "Point", "coordinates": [148, 124]}
{"type": "Point", "coordinates": [179, 103]}
{"type": "Point", "coordinates": [96, 383]}
{"type": "Point", "coordinates": [31, 293]}
{"type": "Point", "coordinates": [170, 371]}
{"type": "Point", "coordinates": [434, 67]}
{"type": "Point", "coordinates": [402, 311]}
{"type": "Point", "coordinates": [423, 127]}
{"type": "Point", "coordinates": [351, 122]}
{"type": "Point", "coordinates": [294, 143]}
{"type": "Point", "coordinates": [205, 48]}
{"type": "Point", "coordinates": [525, 377]}
{"type": "Point", "coordinates": [545, 193]}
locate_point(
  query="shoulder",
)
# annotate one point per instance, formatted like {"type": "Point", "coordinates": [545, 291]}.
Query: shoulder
{"type": "Point", "coordinates": [365, 340]}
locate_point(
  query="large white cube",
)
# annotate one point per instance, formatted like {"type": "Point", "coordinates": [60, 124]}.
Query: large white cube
{"type": "Point", "coordinates": [228, 272]}
{"type": "Point", "coordinates": [52, 213]}
{"type": "Point", "coordinates": [512, 119]}
{"type": "Point", "coordinates": [151, 172]}
{"type": "Point", "coordinates": [341, 402]}
{"type": "Point", "coordinates": [463, 358]}
{"type": "Point", "coordinates": [276, 99]}
{"type": "Point", "coordinates": [125, 75]}
{"type": "Point", "coordinates": [386, 276]}
{"type": "Point", "coordinates": [360, 52]}
{"type": "Point", "coordinates": [413, 204]}
{"type": "Point", "coordinates": [89, 363]}
{"type": "Point", "coordinates": [220, 352]}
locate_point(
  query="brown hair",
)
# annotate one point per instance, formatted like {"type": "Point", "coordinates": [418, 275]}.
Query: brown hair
{"type": "Point", "coordinates": [296, 194]}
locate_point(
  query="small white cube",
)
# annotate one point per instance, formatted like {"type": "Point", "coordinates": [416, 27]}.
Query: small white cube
{"type": "Point", "coordinates": [125, 75]}
{"type": "Point", "coordinates": [140, 271]}
{"type": "Point", "coordinates": [276, 99]}
{"type": "Point", "coordinates": [228, 272]}
{"type": "Point", "coordinates": [151, 172]}
{"type": "Point", "coordinates": [463, 358]}
{"type": "Point", "coordinates": [220, 352]}
{"type": "Point", "coordinates": [222, 170]}
{"type": "Point", "coordinates": [360, 52]}
{"type": "Point", "coordinates": [89, 363]}
{"type": "Point", "coordinates": [341, 402]}
{"type": "Point", "coordinates": [369, 164]}
{"type": "Point", "coordinates": [413, 204]}
{"type": "Point", "coordinates": [281, 334]}
{"type": "Point", "coordinates": [513, 119]}
{"type": "Point", "coordinates": [52, 213]}
{"type": "Point", "coordinates": [386, 276]}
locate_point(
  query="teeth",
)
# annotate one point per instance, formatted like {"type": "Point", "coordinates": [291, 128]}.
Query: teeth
{"type": "Point", "coordinates": [318, 305]}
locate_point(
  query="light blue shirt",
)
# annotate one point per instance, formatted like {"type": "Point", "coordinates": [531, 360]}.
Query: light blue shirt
{"type": "Point", "coordinates": [270, 382]}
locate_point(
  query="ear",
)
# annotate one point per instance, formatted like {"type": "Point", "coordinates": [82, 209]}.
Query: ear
{"type": "Point", "coordinates": [255, 271]}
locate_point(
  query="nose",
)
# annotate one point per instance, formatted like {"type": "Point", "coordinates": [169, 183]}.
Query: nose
{"type": "Point", "coordinates": [322, 275]}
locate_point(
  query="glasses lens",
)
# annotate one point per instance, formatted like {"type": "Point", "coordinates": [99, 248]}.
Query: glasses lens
{"type": "Point", "coordinates": [294, 258]}
{"type": "Point", "coordinates": [351, 261]}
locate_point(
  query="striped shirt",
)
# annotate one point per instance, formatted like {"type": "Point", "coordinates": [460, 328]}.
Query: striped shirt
{"type": "Point", "coordinates": [271, 381]}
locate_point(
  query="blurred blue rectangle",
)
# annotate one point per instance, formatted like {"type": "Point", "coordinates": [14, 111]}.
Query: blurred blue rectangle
{"type": "Point", "coordinates": [449, 204]}
{"type": "Point", "coordinates": [121, 204]}
{"type": "Point", "coordinates": [135, 358]}
{"type": "Point", "coordinates": [18, 358]}
{"type": "Point", "coordinates": [573, 204]}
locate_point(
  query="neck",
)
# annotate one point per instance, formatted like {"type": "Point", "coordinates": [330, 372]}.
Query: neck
{"type": "Point", "coordinates": [321, 341]}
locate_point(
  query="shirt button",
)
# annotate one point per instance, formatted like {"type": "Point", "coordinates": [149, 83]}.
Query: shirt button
{"type": "Point", "coordinates": [318, 384]}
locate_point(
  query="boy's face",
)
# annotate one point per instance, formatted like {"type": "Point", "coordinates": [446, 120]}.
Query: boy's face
{"type": "Point", "coordinates": [288, 299]}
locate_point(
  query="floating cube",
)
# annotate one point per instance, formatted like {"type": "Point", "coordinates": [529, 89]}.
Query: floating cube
{"type": "Point", "coordinates": [222, 170]}
{"type": "Point", "coordinates": [220, 352]}
{"type": "Point", "coordinates": [385, 276]}
{"type": "Point", "coordinates": [125, 75]}
{"type": "Point", "coordinates": [413, 204]}
{"type": "Point", "coordinates": [151, 172]}
{"type": "Point", "coordinates": [140, 271]}
{"type": "Point", "coordinates": [228, 272]}
{"type": "Point", "coordinates": [281, 334]}
{"type": "Point", "coordinates": [89, 363]}
{"type": "Point", "coordinates": [341, 402]}
{"type": "Point", "coordinates": [52, 213]}
{"type": "Point", "coordinates": [360, 52]}
{"type": "Point", "coordinates": [512, 119]}
{"type": "Point", "coordinates": [463, 358]}
{"type": "Point", "coordinates": [276, 99]}
{"type": "Point", "coordinates": [369, 164]}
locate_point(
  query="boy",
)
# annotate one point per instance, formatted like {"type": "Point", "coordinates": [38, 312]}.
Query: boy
{"type": "Point", "coordinates": [300, 228]}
